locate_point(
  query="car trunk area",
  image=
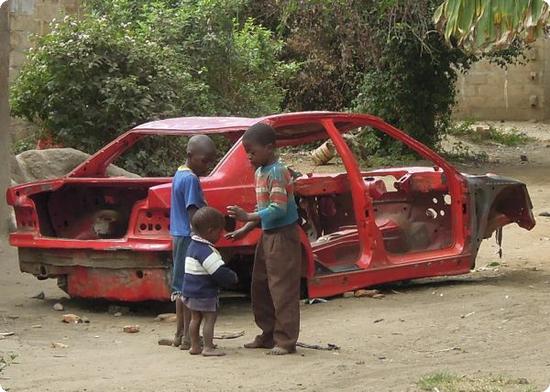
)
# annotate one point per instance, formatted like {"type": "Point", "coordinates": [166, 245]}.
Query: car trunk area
{"type": "Point", "coordinates": [89, 211]}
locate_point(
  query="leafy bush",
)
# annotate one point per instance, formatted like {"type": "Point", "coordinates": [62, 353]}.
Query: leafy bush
{"type": "Point", "coordinates": [129, 61]}
{"type": "Point", "coordinates": [380, 57]}
{"type": "Point", "coordinates": [411, 88]}
{"type": "Point", "coordinates": [88, 80]}
{"type": "Point", "coordinates": [126, 62]}
{"type": "Point", "coordinates": [461, 152]}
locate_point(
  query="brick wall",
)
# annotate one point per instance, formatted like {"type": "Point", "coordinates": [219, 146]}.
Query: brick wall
{"type": "Point", "coordinates": [521, 92]}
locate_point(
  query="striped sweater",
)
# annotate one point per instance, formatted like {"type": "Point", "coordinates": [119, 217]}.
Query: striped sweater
{"type": "Point", "coordinates": [275, 196]}
{"type": "Point", "coordinates": [205, 270]}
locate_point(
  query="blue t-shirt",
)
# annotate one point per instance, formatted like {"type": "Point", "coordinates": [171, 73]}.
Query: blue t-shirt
{"type": "Point", "coordinates": [186, 192]}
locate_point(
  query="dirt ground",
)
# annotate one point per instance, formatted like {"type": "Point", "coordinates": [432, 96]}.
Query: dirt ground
{"type": "Point", "coordinates": [492, 321]}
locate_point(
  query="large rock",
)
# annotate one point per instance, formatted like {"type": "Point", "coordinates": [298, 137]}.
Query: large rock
{"type": "Point", "coordinates": [34, 165]}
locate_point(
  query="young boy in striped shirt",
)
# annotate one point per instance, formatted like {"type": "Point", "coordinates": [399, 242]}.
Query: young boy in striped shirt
{"type": "Point", "coordinates": [277, 262]}
{"type": "Point", "coordinates": [205, 271]}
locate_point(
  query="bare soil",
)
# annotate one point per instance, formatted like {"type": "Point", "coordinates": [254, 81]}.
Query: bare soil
{"type": "Point", "coordinates": [493, 321]}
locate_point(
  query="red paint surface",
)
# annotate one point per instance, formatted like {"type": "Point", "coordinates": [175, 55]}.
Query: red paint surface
{"type": "Point", "coordinates": [120, 285]}
{"type": "Point", "coordinates": [232, 182]}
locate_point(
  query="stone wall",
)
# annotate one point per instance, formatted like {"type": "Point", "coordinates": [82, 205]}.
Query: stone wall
{"type": "Point", "coordinates": [32, 17]}
{"type": "Point", "coordinates": [521, 92]}
{"type": "Point", "coordinates": [28, 18]}
{"type": "Point", "coordinates": [4, 117]}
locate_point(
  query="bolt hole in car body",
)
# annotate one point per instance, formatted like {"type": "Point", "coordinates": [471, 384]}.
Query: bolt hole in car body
{"type": "Point", "coordinates": [108, 237]}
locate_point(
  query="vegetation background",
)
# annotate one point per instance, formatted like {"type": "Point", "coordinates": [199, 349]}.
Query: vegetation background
{"type": "Point", "coordinates": [125, 62]}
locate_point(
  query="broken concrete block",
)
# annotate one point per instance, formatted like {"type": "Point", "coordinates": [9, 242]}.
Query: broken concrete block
{"type": "Point", "coordinates": [131, 328]}
{"type": "Point", "coordinates": [167, 317]}
{"type": "Point", "coordinates": [71, 319]}
{"type": "Point", "coordinates": [366, 293]}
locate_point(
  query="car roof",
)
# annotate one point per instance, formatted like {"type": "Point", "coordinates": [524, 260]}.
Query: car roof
{"type": "Point", "coordinates": [290, 127]}
{"type": "Point", "coordinates": [223, 124]}
{"type": "Point", "coordinates": [198, 124]}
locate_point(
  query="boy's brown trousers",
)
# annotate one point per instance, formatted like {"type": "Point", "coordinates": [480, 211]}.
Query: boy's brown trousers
{"type": "Point", "coordinates": [276, 287]}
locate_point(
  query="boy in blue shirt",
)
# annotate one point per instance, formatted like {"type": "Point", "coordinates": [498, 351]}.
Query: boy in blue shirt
{"type": "Point", "coordinates": [205, 271]}
{"type": "Point", "coordinates": [278, 259]}
{"type": "Point", "coordinates": [186, 199]}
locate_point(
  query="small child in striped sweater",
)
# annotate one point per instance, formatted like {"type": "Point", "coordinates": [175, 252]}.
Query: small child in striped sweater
{"type": "Point", "coordinates": [205, 271]}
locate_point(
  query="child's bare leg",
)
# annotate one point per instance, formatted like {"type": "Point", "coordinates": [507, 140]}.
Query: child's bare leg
{"type": "Point", "coordinates": [179, 322]}
{"type": "Point", "coordinates": [210, 349]}
{"type": "Point", "coordinates": [186, 338]}
{"type": "Point", "coordinates": [194, 328]}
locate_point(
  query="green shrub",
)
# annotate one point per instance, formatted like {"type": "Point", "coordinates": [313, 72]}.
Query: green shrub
{"type": "Point", "coordinates": [127, 62]}
{"type": "Point", "coordinates": [88, 80]}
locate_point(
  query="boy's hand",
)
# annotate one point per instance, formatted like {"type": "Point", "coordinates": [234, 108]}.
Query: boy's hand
{"type": "Point", "coordinates": [237, 213]}
{"type": "Point", "coordinates": [236, 235]}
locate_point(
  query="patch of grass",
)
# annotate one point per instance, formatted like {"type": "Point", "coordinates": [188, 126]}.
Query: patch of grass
{"type": "Point", "coordinates": [462, 153]}
{"type": "Point", "coordinates": [511, 137]}
{"type": "Point", "coordinates": [448, 382]}
{"type": "Point", "coordinates": [6, 360]}
{"type": "Point", "coordinates": [437, 380]}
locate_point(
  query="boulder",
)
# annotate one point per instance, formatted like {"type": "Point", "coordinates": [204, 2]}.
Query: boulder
{"type": "Point", "coordinates": [34, 165]}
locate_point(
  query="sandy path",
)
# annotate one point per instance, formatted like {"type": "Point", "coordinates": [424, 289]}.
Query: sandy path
{"type": "Point", "coordinates": [506, 330]}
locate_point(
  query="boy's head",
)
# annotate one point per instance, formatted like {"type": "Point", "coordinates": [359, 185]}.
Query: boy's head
{"type": "Point", "coordinates": [201, 154]}
{"type": "Point", "coordinates": [208, 223]}
{"type": "Point", "coordinates": [259, 143]}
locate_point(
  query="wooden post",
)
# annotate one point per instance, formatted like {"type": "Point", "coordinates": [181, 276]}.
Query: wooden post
{"type": "Point", "coordinates": [4, 116]}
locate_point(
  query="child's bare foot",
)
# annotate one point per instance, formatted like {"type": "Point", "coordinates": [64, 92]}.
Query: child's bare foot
{"type": "Point", "coordinates": [279, 351]}
{"type": "Point", "coordinates": [212, 352]}
{"type": "Point", "coordinates": [256, 343]}
{"type": "Point", "coordinates": [185, 344]}
{"type": "Point", "coordinates": [195, 350]}
{"type": "Point", "coordinates": [177, 341]}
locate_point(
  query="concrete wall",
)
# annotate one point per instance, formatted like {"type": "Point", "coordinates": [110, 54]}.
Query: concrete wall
{"type": "Point", "coordinates": [32, 17]}
{"type": "Point", "coordinates": [522, 92]}
{"type": "Point", "coordinates": [4, 116]}
{"type": "Point", "coordinates": [28, 18]}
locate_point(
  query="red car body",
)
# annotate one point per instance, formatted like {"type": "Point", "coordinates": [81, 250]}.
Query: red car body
{"type": "Point", "coordinates": [108, 237]}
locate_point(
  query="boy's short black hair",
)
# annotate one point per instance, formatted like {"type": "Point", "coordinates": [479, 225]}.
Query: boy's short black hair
{"type": "Point", "coordinates": [260, 133]}
{"type": "Point", "coordinates": [206, 218]}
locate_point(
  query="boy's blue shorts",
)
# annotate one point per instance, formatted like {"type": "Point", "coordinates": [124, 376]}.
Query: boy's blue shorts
{"type": "Point", "coordinates": [179, 251]}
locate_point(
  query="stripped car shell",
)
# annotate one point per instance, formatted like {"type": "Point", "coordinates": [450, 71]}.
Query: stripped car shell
{"type": "Point", "coordinates": [108, 237]}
